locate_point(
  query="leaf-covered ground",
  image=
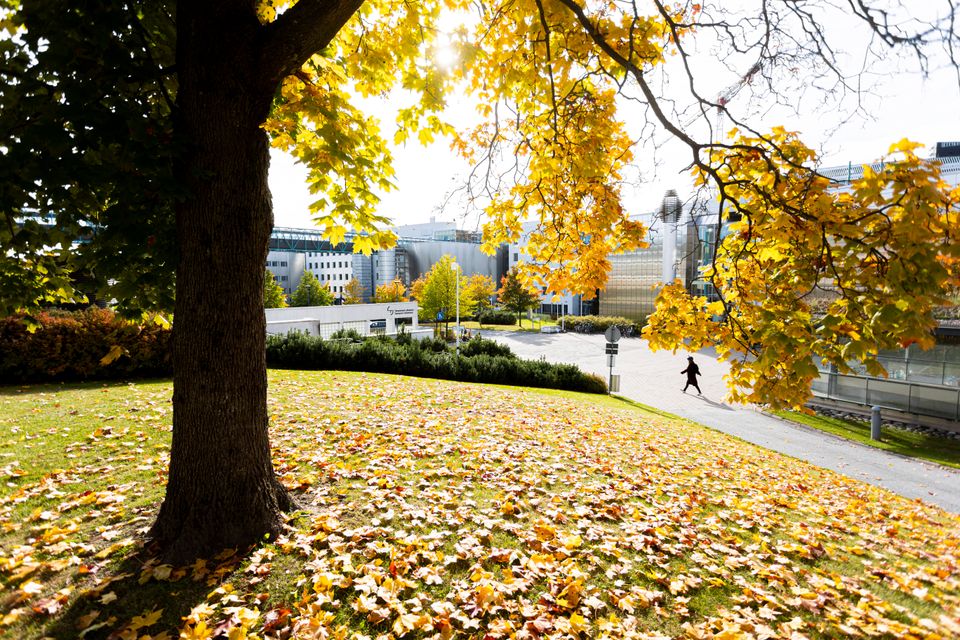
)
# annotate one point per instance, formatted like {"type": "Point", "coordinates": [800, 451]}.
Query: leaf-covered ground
{"type": "Point", "coordinates": [433, 509]}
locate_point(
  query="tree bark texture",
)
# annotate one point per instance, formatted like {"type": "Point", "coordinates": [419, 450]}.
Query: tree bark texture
{"type": "Point", "coordinates": [222, 491]}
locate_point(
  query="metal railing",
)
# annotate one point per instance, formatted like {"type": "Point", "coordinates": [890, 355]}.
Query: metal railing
{"type": "Point", "coordinates": [911, 397]}
{"type": "Point", "coordinates": [935, 372]}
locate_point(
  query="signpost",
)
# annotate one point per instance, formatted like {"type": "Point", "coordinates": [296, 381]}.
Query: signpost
{"type": "Point", "coordinates": [612, 334]}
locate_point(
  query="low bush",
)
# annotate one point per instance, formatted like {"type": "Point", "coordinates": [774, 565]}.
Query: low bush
{"type": "Point", "coordinates": [480, 346]}
{"type": "Point", "coordinates": [350, 335]}
{"type": "Point", "coordinates": [71, 347]}
{"type": "Point", "coordinates": [479, 361]}
{"type": "Point", "coordinates": [497, 316]}
{"type": "Point", "coordinates": [599, 324]}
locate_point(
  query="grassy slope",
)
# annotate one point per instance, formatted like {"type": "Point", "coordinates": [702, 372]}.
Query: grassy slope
{"type": "Point", "coordinates": [915, 445]}
{"type": "Point", "coordinates": [431, 507]}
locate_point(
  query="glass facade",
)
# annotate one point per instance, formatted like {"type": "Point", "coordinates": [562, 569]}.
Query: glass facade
{"type": "Point", "coordinates": [937, 366]}
{"type": "Point", "coordinates": [635, 277]}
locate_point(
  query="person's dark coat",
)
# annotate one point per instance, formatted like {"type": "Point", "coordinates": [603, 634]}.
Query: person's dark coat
{"type": "Point", "coordinates": [692, 372]}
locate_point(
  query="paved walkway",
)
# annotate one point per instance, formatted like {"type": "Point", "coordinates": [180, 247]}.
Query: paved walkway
{"type": "Point", "coordinates": [653, 378]}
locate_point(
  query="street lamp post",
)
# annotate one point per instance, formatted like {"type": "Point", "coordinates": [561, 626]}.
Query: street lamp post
{"type": "Point", "coordinates": [456, 270]}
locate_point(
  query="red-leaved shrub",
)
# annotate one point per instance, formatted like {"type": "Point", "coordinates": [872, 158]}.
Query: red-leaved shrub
{"type": "Point", "coordinates": [71, 346]}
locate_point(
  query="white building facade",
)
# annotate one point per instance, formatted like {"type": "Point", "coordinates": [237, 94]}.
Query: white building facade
{"type": "Point", "coordinates": [365, 319]}
{"type": "Point", "coordinates": [411, 258]}
{"type": "Point", "coordinates": [564, 304]}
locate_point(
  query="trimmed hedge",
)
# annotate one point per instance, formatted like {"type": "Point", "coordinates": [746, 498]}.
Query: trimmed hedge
{"type": "Point", "coordinates": [68, 346]}
{"type": "Point", "coordinates": [480, 347]}
{"type": "Point", "coordinates": [497, 316]}
{"type": "Point", "coordinates": [599, 324]}
{"type": "Point", "coordinates": [426, 359]}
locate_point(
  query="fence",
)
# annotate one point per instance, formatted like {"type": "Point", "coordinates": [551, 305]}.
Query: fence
{"type": "Point", "coordinates": [923, 371]}
{"type": "Point", "coordinates": [911, 397]}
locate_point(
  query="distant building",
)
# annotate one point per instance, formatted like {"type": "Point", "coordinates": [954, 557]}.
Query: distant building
{"type": "Point", "coordinates": [332, 268]}
{"type": "Point", "coordinates": [433, 230]}
{"type": "Point", "coordinates": [419, 247]}
{"type": "Point", "coordinates": [948, 153]}
{"type": "Point", "coordinates": [566, 303]}
{"type": "Point", "coordinates": [287, 267]}
{"type": "Point", "coordinates": [682, 237]}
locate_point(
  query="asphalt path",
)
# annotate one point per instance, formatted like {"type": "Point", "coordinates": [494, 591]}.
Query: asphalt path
{"type": "Point", "coordinates": [654, 379]}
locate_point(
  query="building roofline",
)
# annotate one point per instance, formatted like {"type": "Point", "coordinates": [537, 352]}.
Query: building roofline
{"type": "Point", "coordinates": [851, 171]}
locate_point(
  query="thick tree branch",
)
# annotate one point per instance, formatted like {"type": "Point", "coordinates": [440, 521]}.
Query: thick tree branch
{"type": "Point", "coordinates": [637, 73]}
{"type": "Point", "coordinates": [300, 32]}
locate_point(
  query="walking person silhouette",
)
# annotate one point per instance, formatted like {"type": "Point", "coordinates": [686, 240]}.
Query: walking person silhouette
{"type": "Point", "coordinates": [692, 372]}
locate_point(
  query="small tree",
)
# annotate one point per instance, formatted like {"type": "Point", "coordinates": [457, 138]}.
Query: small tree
{"type": "Point", "coordinates": [352, 292]}
{"type": "Point", "coordinates": [416, 288]}
{"type": "Point", "coordinates": [480, 289]}
{"type": "Point", "coordinates": [311, 293]}
{"type": "Point", "coordinates": [391, 292]}
{"type": "Point", "coordinates": [515, 296]}
{"type": "Point", "coordinates": [440, 291]}
{"type": "Point", "coordinates": [273, 296]}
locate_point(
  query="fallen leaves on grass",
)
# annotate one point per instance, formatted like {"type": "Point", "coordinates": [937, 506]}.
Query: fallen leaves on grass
{"type": "Point", "coordinates": [436, 509]}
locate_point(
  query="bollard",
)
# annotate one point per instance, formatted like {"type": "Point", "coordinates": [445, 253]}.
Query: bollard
{"type": "Point", "coordinates": [875, 423]}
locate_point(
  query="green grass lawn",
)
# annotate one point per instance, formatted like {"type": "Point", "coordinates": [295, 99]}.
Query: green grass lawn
{"type": "Point", "coordinates": [526, 325]}
{"type": "Point", "coordinates": [943, 451]}
{"type": "Point", "coordinates": [435, 509]}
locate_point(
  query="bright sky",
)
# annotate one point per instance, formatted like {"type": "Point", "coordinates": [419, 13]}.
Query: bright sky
{"type": "Point", "coordinates": [906, 105]}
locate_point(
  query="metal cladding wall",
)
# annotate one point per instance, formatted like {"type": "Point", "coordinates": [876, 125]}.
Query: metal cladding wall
{"type": "Point", "coordinates": [635, 277]}
{"type": "Point", "coordinates": [948, 150]}
{"type": "Point", "coordinates": [386, 266]}
{"type": "Point", "coordinates": [421, 256]}
{"type": "Point", "coordinates": [288, 267]}
{"type": "Point", "coordinates": [363, 272]}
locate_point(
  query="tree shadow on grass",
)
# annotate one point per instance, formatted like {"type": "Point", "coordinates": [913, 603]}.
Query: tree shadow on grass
{"type": "Point", "coordinates": [119, 598]}
{"type": "Point", "coordinates": [19, 389]}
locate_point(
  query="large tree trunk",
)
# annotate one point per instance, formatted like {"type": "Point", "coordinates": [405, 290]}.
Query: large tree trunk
{"type": "Point", "coordinates": [222, 491]}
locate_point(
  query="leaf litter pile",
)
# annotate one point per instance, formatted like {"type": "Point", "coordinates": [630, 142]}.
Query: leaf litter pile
{"type": "Point", "coordinates": [433, 509]}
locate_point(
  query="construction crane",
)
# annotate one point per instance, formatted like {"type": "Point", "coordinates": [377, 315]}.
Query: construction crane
{"type": "Point", "coordinates": [726, 96]}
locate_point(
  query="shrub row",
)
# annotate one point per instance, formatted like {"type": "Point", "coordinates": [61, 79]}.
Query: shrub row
{"type": "Point", "coordinates": [70, 347]}
{"type": "Point", "coordinates": [599, 324]}
{"type": "Point", "coordinates": [486, 361]}
{"type": "Point", "coordinates": [497, 316]}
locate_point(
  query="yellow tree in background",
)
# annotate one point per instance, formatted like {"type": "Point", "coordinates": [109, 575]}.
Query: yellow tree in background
{"type": "Point", "coordinates": [393, 291]}
{"type": "Point", "coordinates": [417, 287]}
{"type": "Point", "coordinates": [352, 292]}
{"type": "Point", "coordinates": [480, 290]}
